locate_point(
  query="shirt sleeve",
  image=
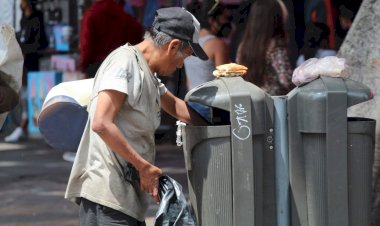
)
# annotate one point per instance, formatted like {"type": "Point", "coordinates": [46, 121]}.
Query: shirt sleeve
{"type": "Point", "coordinates": [117, 79]}
{"type": "Point", "coordinates": [118, 74]}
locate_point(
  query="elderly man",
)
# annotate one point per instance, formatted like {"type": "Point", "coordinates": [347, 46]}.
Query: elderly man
{"type": "Point", "coordinates": [113, 172]}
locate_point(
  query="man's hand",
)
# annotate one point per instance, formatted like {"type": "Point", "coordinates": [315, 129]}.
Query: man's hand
{"type": "Point", "coordinates": [149, 180]}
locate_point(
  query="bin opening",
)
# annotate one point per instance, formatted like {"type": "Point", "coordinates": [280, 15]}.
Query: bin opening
{"type": "Point", "coordinates": [220, 117]}
{"type": "Point", "coordinates": [213, 116]}
{"type": "Point", "coordinates": [355, 119]}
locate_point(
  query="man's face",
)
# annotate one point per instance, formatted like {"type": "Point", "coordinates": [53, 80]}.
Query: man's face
{"type": "Point", "coordinates": [172, 59]}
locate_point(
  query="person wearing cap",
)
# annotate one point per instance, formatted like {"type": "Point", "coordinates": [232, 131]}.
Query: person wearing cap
{"type": "Point", "coordinates": [216, 27]}
{"type": "Point", "coordinates": [113, 173]}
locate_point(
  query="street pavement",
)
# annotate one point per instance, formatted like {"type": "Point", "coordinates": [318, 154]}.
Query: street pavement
{"type": "Point", "coordinates": [33, 179]}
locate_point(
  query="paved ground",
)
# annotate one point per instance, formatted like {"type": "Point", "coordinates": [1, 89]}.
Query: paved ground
{"type": "Point", "coordinates": [33, 179]}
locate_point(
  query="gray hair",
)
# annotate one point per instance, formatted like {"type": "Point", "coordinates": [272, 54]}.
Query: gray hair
{"type": "Point", "coordinates": [160, 38]}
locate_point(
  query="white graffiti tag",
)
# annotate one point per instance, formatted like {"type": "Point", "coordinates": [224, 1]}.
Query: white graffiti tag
{"type": "Point", "coordinates": [243, 131]}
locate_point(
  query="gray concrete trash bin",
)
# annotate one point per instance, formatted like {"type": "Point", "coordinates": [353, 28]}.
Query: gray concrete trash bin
{"type": "Point", "coordinates": [330, 155]}
{"type": "Point", "coordinates": [230, 163]}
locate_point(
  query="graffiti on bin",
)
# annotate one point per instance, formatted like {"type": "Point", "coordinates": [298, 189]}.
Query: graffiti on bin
{"type": "Point", "coordinates": [243, 130]}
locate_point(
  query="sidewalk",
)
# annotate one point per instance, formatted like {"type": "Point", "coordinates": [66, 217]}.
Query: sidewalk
{"type": "Point", "coordinates": [33, 179]}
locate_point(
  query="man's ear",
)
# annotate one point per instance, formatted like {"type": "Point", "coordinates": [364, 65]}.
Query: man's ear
{"type": "Point", "coordinates": [174, 46]}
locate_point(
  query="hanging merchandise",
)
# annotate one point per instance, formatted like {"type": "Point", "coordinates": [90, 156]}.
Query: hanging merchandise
{"type": "Point", "coordinates": [11, 61]}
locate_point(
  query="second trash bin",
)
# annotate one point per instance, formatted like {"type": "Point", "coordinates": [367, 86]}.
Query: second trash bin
{"type": "Point", "coordinates": [330, 155]}
{"type": "Point", "coordinates": [230, 163]}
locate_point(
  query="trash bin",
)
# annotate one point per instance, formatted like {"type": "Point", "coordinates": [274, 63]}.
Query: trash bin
{"type": "Point", "coordinates": [330, 155]}
{"type": "Point", "coordinates": [230, 163]}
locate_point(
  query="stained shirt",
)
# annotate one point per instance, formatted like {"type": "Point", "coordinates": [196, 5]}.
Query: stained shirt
{"type": "Point", "coordinates": [99, 174]}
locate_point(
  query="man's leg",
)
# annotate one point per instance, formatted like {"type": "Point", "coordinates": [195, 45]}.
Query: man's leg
{"type": "Point", "coordinates": [111, 217]}
{"type": "Point", "coordinates": [87, 213]}
{"type": "Point", "coordinates": [93, 214]}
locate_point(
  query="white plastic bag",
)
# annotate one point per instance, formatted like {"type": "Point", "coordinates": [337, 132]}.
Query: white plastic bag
{"type": "Point", "coordinates": [312, 68]}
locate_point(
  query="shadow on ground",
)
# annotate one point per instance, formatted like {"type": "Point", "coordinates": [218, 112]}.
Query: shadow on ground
{"type": "Point", "coordinates": [33, 180]}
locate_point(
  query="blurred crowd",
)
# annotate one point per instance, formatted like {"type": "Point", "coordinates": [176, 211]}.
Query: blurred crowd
{"type": "Point", "coordinates": [270, 37]}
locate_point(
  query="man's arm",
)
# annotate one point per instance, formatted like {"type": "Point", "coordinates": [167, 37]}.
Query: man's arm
{"type": "Point", "coordinates": [178, 109]}
{"type": "Point", "coordinates": [108, 106]}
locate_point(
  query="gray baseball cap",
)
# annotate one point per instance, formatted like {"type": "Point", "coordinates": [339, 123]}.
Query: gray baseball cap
{"type": "Point", "coordinates": [180, 23]}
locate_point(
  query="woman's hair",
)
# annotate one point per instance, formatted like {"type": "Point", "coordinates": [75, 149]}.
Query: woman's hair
{"type": "Point", "coordinates": [265, 23]}
{"type": "Point", "coordinates": [205, 10]}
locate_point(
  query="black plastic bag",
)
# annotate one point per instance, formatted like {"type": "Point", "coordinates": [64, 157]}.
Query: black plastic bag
{"type": "Point", "coordinates": [173, 209]}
